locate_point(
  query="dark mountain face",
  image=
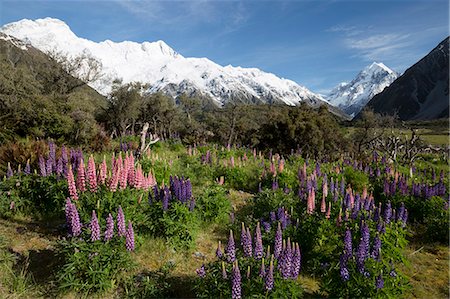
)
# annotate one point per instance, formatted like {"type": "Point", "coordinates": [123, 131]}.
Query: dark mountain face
{"type": "Point", "coordinates": [422, 92]}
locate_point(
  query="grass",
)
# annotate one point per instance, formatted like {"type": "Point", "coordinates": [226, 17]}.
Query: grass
{"type": "Point", "coordinates": [427, 271]}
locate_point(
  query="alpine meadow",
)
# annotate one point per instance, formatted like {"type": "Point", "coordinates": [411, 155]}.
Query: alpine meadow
{"type": "Point", "coordinates": [224, 149]}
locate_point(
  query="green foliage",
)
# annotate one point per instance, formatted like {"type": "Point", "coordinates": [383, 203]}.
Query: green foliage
{"type": "Point", "coordinates": [213, 205]}
{"type": "Point", "coordinates": [149, 284]}
{"type": "Point", "coordinates": [92, 267]}
{"type": "Point", "coordinates": [239, 178]}
{"type": "Point", "coordinates": [357, 179]}
{"type": "Point", "coordinates": [177, 225]}
{"type": "Point", "coordinates": [33, 195]}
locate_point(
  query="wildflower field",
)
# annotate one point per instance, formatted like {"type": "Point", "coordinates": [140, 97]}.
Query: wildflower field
{"type": "Point", "coordinates": [211, 221]}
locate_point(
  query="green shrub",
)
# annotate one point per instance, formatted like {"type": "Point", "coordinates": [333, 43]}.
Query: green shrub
{"type": "Point", "coordinates": [92, 267]}
{"type": "Point", "coordinates": [213, 205]}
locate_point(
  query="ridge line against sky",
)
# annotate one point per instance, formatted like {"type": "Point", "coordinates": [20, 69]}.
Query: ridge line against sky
{"type": "Point", "coordinates": [318, 44]}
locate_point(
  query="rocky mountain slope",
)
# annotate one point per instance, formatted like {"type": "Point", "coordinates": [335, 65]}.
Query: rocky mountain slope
{"type": "Point", "coordinates": [422, 92]}
{"type": "Point", "coordinates": [351, 97]}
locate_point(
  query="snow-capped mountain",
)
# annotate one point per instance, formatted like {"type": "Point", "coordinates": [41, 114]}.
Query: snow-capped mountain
{"type": "Point", "coordinates": [352, 97]}
{"type": "Point", "coordinates": [157, 64]}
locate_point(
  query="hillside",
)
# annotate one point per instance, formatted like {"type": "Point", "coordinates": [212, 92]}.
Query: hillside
{"type": "Point", "coordinates": [422, 92]}
{"type": "Point", "coordinates": [39, 98]}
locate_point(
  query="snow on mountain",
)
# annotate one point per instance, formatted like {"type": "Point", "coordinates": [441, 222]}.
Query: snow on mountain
{"type": "Point", "coordinates": [353, 96]}
{"type": "Point", "coordinates": [158, 65]}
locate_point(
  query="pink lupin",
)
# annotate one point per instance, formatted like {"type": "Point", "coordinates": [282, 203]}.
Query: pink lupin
{"type": "Point", "coordinates": [123, 175]}
{"type": "Point", "coordinates": [138, 178]}
{"type": "Point", "coordinates": [325, 189]}
{"type": "Point", "coordinates": [81, 177]}
{"type": "Point", "coordinates": [115, 179]}
{"type": "Point", "coordinates": [71, 184]}
{"type": "Point", "coordinates": [323, 205]}
{"type": "Point", "coordinates": [281, 165]}
{"type": "Point", "coordinates": [91, 174]}
{"type": "Point", "coordinates": [328, 214]}
{"type": "Point", "coordinates": [103, 171]}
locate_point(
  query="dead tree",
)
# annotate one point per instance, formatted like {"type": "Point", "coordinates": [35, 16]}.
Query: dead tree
{"type": "Point", "coordinates": [143, 146]}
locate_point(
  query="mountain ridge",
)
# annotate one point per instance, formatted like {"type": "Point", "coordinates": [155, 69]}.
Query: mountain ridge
{"type": "Point", "coordinates": [165, 70]}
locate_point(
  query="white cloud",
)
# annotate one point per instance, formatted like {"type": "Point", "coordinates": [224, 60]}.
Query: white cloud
{"type": "Point", "coordinates": [380, 46]}
{"type": "Point", "coordinates": [184, 14]}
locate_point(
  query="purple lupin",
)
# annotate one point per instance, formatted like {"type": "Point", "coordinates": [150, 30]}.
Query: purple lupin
{"type": "Point", "coordinates": [75, 221]}
{"type": "Point", "coordinates": [42, 169]}
{"type": "Point", "coordinates": [129, 237]}
{"type": "Point", "coordinates": [219, 253]}
{"type": "Point", "coordinates": [230, 250]}
{"type": "Point", "coordinates": [27, 169]}
{"type": "Point", "coordinates": [278, 243]}
{"type": "Point", "coordinates": [121, 230]}
{"type": "Point", "coordinates": [296, 262]}
{"type": "Point", "coordinates": [379, 282]}
{"type": "Point", "coordinates": [236, 291]}
{"type": "Point", "coordinates": [95, 228]}
{"type": "Point", "coordinates": [268, 281]}
{"type": "Point", "coordinates": [248, 246]}
{"type": "Point", "coordinates": [376, 250]}
{"type": "Point", "coordinates": [259, 250]}
{"type": "Point", "coordinates": [109, 232]}
{"type": "Point", "coordinates": [363, 247]}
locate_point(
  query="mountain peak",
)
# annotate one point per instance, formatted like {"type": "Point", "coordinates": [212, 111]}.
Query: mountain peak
{"type": "Point", "coordinates": [351, 97]}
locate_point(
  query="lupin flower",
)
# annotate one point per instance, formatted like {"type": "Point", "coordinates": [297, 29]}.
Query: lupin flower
{"type": "Point", "coordinates": [219, 253]}
{"type": "Point", "coordinates": [224, 271]}
{"type": "Point", "coordinates": [376, 248]}
{"type": "Point", "coordinates": [81, 177]}
{"type": "Point", "coordinates": [296, 262]}
{"type": "Point", "coordinates": [121, 230]}
{"type": "Point", "coordinates": [379, 282]}
{"type": "Point", "coordinates": [328, 214]}
{"type": "Point", "coordinates": [75, 221]}
{"type": "Point", "coordinates": [95, 228]}
{"type": "Point", "coordinates": [192, 204]}
{"type": "Point", "coordinates": [388, 213]}
{"type": "Point", "coordinates": [201, 271]}
{"type": "Point", "coordinates": [268, 281]}
{"type": "Point", "coordinates": [363, 248]}
{"type": "Point", "coordinates": [68, 213]}
{"type": "Point", "coordinates": [109, 232]}
{"type": "Point", "coordinates": [92, 175]}
{"type": "Point", "coordinates": [259, 250]}
{"type": "Point", "coordinates": [262, 270]}
{"type": "Point", "coordinates": [236, 291]}
{"type": "Point", "coordinates": [129, 237]}
{"type": "Point", "coordinates": [343, 270]}
{"type": "Point", "coordinates": [71, 185]}
{"type": "Point", "coordinates": [348, 250]}
{"type": "Point", "coordinates": [49, 166]}
{"type": "Point", "coordinates": [9, 172]}
{"type": "Point", "coordinates": [27, 169]}
{"type": "Point", "coordinates": [42, 169]}
{"type": "Point", "coordinates": [285, 262]}
{"type": "Point", "coordinates": [248, 246]}
{"type": "Point", "coordinates": [230, 250]}
{"type": "Point", "coordinates": [278, 243]}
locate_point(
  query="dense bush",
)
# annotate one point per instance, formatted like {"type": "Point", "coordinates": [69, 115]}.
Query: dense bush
{"type": "Point", "coordinates": [213, 205]}
{"type": "Point", "coordinates": [91, 267]}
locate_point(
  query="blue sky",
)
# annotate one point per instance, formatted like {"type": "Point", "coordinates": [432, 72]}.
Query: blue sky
{"type": "Point", "coordinates": [315, 43]}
